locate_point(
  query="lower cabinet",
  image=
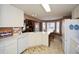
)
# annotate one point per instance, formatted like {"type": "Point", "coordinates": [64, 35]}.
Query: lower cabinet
{"type": "Point", "coordinates": [11, 48]}
{"type": "Point", "coordinates": [16, 45]}
{"type": "Point", "coordinates": [13, 45]}
{"type": "Point", "coordinates": [22, 44]}
{"type": "Point", "coordinates": [8, 47]}
{"type": "Point", "coordinates": [2, 50]}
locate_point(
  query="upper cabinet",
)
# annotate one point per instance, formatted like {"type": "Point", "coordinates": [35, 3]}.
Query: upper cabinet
{"type": "Point", "coordinates": [11, 16]}
{"type": "Point", "coordinates": [75, 12]}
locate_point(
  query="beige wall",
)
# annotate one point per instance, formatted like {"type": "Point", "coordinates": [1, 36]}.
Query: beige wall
{"type": "Point", "coordinates": [75, 12]}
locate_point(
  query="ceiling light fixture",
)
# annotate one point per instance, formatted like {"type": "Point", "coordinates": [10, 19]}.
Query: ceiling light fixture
{"type": "Point", "coordinates": [46, 7]}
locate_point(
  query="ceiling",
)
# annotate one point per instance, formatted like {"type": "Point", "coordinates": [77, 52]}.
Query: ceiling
{"type": "Point", "coordinates": [57, 10]}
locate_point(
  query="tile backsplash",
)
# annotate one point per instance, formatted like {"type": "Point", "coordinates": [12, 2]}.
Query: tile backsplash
{"type": "Point", "coordinates": [5, 32]}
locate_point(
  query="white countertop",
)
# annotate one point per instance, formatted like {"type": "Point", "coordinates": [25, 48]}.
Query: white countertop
{"type": "Point", "coordinates": [20, 35]}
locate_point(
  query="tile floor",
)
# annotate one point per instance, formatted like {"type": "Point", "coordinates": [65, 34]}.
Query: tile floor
{"type": "Point", "coordinates": [54, 48]}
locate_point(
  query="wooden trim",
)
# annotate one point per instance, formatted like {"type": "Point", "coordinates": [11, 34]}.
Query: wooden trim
{"type": "Point", "coordinates": [46, 26]}
{"type": "Point", "coordinates": [55, 26]}
{"type": "Point", "coordinates": [60, 27]}
{"type": "Point", "coordinates": [41, 26]}
{"type": "Point", "coordinates": [31, 18]}
{"type": "Point", "coordinates": [55, 20]}
{"type": "Point", "coordinates": [66, 17]}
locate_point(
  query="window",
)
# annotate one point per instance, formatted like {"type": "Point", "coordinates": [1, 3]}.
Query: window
{"type": "Point", "coordinates": [57, 27]}
{"type": "Point", "coordinates": [44, 26]}
{"type": "Point", "coordinates": [50, 27]}
{"type": "Point", "coordinates": [36, 27]}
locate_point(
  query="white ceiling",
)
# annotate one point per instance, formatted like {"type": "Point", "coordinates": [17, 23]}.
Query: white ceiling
{"type": "Point", "coordinates": [57, 10]}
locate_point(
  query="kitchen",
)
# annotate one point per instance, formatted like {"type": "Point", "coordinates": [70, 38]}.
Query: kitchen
{"type": "Point", "coordinates": [19, 31]}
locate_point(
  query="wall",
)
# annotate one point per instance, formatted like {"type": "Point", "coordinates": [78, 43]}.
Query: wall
{"type": "Point", "coordinates": [75, 12]}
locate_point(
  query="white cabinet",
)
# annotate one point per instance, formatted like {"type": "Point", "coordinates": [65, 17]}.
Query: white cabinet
{"type": "Point", "coordinates": [34, 39]}
{"type": "Point", "coordinates": [2, 50]}
{"type": "Point", "coordinates": [8, 46]}
{"type": "Point", "coordinates": [11, 48]}
{"type": "Point", "coordinates": [37, 38]}
{"type": "Point", "coordinates": [22, 43]}
{"type": "Point", "coordinates": [11, 16]}
{"type": "Point", "coordinates": [14, 45]}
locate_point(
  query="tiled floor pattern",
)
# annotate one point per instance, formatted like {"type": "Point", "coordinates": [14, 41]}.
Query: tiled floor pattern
{"type": "Point", "coordinates": [55, 48]}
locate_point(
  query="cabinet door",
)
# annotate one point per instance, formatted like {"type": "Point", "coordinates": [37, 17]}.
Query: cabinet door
{"type": "Point", "coordinates": [22, 44]}
{"type": "Point", "coordinates": [2, 50]}
{"type": "Point", "coordinates": [11, 16]}
{"type": "Point", "coordinates": [11, 48]}
{"type": "Point", "coordinates": [2, 47]}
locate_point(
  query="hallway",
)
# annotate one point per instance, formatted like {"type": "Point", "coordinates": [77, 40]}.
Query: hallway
{"type": "Point", "coordinates": [55, 48]}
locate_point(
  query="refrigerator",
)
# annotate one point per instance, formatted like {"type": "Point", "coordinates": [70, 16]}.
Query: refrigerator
{"type": "Point", "coordinates": [70, 36]}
